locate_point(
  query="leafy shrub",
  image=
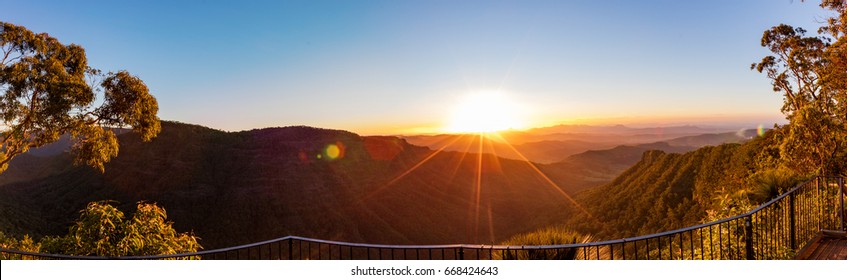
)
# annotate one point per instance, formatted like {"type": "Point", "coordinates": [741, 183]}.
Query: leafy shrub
{"type": "Point", "coordinates": [24, 244]}
{"type": "Point", "coordinates": [772, 183]}
{"type": "Point", "coordinates": [101, 230]}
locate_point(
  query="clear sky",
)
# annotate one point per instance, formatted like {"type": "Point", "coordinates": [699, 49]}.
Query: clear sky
{"type": "Point", "coordinates": [386, 67]}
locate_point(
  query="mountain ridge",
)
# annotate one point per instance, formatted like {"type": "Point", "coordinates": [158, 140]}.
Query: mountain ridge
{"type": "Point", "coordinates": [233, 188]}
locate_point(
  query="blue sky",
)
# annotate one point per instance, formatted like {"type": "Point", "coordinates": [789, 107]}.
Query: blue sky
{"type": "Point", "coordinates": [385, 67]}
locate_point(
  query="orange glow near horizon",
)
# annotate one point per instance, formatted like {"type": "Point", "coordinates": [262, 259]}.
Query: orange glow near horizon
{"type": "Point", "coordinates": [538, 119]}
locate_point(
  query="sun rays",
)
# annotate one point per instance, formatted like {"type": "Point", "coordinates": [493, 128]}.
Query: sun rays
{"type": "Point", "coordinates": [476, 122]}
{"type": "Point", "coordinates": [547, 179]}
{"type": "Point", "coordinates": [481, 214]}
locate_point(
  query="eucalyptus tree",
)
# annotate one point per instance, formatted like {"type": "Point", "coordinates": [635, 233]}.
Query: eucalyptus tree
{"type": "Point", "coordinates": [811, 74]}
{"type": "Point", "coordinates": [50, 90]}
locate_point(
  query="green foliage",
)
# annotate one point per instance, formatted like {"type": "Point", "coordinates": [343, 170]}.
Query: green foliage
{"type": "Point", "coordinates": [661, 192]}
{"type": "Point", "coordinates": [49, 90]}
{"type": "Point", "coordinates": [729, 203]}
{"type": "Point", "coordinates": [101, 230]}
{"type": "Point", "coordinates": [148, 233]}
{"type": "Point", "coordinates": [670, 191]}
{"type": "Point", "coordinates": [834, 78]}
{"type": "Point", "coordinates": [96, 233]}
{"type": "Point", "coordinates": [546, 236]}
{"type": "Point", "coordinates": [95, 146]}
{"type": "Point", "coordinates": [25, 244]}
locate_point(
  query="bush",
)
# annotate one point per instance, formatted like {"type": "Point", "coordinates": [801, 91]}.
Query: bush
{"type": "Point", "coordinates": [770, 184]}
{"type": "Point", "coordinates": [547, 236]}
{"type": "Point", "coordinates": [25, 244]}
{"type": "Point", "coordinates": [102, 231]}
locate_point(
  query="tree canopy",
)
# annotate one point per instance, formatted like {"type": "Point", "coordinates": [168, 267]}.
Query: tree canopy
{"type": "Point", "coordinates": [49, 90]}
{"type": "Point", "coordinates": [811, 73]}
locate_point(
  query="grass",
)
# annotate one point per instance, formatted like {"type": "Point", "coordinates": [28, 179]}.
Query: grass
{"type": "Point", "coordinates": [546, 236]}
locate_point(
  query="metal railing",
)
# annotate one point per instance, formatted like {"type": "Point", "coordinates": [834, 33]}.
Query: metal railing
{"type": "Point", "coordinates": [774, 230]}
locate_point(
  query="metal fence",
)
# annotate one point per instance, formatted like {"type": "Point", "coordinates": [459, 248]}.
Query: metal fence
{"type": "Point", "coordinates": [774, 230]}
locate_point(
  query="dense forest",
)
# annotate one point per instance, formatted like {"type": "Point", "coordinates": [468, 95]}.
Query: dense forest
{"type": "Point", "coordinates": [666, 191]}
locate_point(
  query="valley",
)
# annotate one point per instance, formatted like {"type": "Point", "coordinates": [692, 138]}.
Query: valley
{"type": "Point", "coordinates": [233, 188]}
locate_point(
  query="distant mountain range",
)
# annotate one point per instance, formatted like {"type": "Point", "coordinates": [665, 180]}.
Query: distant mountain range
{"type": "Point", "coordinates": [241, 187]}
{"type": "Point", "coordinates": [553, 144]}
{"type": "Point", "coordinates": [624, 130]}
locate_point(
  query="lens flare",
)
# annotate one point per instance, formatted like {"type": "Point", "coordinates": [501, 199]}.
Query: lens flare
{"type": "Point", "coordinates": [304, 158]}
{"type": "Point", "coordinates": [334, 151]}
{"type": "Point", "coordinates": [760, 130]}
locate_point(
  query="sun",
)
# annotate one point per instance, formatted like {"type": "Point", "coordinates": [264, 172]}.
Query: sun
{"type": "Point", "coordinates": [484, 112]}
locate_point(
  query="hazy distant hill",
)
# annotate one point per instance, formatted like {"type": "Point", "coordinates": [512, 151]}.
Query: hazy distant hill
{"type": "Point", "coordinates": [545, 151]}
{"type": "Point", "coordinates": [554, 144]}
{"type": "Point", "coordinates": [594, 168]}
{"type": "Point", "coordinates": [713, 139]}
{"type": "Point", "coordinates": [235, 188]}
{"type": "Point", "coordinates": [623, 130]}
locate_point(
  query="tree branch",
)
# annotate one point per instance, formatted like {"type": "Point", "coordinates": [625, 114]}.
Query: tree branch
{"type": "Point", "coordinates": [21, 127]}
{"type": "Point", "coordinates": [5, 55]}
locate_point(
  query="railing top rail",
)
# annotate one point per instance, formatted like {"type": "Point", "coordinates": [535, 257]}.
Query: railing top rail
{"type": "Point", "coordinates": [52, 256]}
{"type": "Point", "coordinates": [780, 197]}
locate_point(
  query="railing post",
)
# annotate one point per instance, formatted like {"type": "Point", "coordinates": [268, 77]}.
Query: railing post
{"type": "Point", "coordinates": [841, 202]}
{"type": "Point", "coordinates": [461, 253]}
{"type": "Point", "coordinates": [819, 202]}
{"type": "Point", "coordinates": [290, 249]}
{"type": "Point", "coordinates": [792, 231]}
{"type": "Point", "coordinates": [748, 236]}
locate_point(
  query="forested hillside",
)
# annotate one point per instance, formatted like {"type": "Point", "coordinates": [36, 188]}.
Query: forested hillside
{"type": "Point", "coordinates": [666, 191]}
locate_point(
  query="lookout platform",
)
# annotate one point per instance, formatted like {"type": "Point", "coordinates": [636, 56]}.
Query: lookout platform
{"type": "Point", "coordinates": [828, 245]}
